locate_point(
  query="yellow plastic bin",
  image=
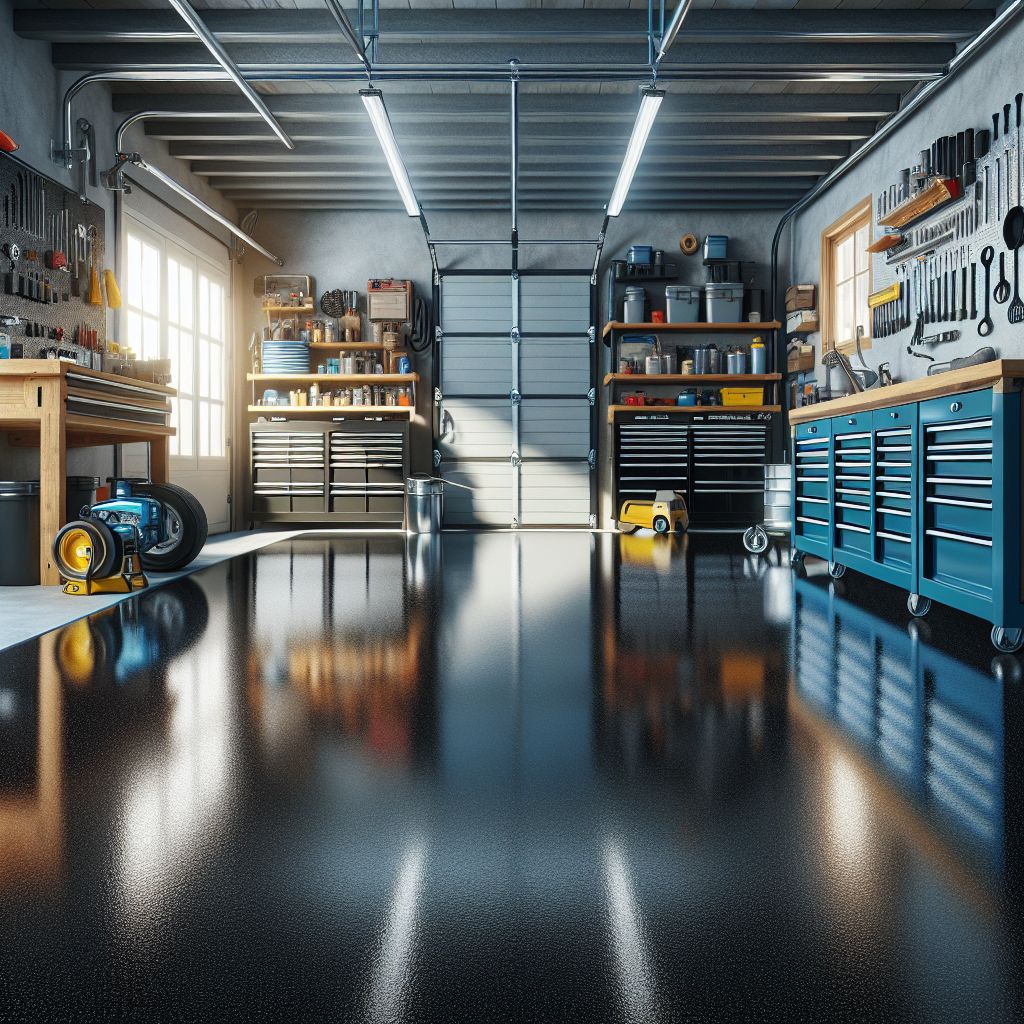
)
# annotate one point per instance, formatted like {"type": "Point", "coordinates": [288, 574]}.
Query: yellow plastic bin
{"type": "Point", "coordinates": [742, 396]}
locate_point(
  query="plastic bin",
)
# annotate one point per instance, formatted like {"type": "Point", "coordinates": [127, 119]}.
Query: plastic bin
{"type": "Point", "coordinates": [79, 491]}
{"type": "Point", "coordinates": [19, 533]}
{"type": "Point", "coordinates": [633, 307]}
{"type": "Point", "coordinates": [641, 254]}
{"type": "Point", "coordinates": [716, 247]}
{"type": "Point", "coordinates": [725, 303]}
{"type": "Point", "coordinates": [682, 304]}
{"type": "Point", "coordinates": [742, 396]}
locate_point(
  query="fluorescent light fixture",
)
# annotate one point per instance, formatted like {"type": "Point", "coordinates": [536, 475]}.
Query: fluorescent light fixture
{"type": "Point", "coordinates": [649, 103]}
{"type": "Point", "coordinates": [373, 100]}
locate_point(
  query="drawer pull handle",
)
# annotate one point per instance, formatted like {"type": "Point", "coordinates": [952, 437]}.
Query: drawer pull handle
{"type": "Point", "coordinates": [852, 422]}
{"type": "Point", "coordinates": [980, 541]}
{"type": "Point", "coordinates": [960, 502]}
{"type": "Point", "coordinates": [812, 430]}
{"type": "Point", "coordinates": [850, 526]}
{"type": "Point", "coordinates": [892, 536]}
{"type": "Point", "coordinates": [956, 406]}
{"type": "Point", "coordinates": [895, 415]}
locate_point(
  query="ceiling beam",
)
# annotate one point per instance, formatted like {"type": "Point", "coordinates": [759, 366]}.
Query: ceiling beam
{"type": "Point", "coordinates": [310, 26]}
{"type": "Point", "coordinates": [426, 106]}
{"type": "Point", "coordinates": [888, 61]}
{"type": "Point", "coordinates": [441, 135]}
{"type": "Point", "coordinates": [224, 155]}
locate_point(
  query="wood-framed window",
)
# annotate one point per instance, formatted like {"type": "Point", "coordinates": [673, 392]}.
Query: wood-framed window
{"type": "Point", "coordinates": [846, 280]}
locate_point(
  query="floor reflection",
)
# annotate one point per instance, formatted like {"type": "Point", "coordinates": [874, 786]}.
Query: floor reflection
{"type": "Point", "coordinates": [529, 776]}
{"type": "Point", "coordinates": [930, 725]}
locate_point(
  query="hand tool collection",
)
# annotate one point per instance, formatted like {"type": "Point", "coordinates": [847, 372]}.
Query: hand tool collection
{"type": "Point", "coordinates": [49, 252]}
{"type": "Point", "coordinates": [966, 186]}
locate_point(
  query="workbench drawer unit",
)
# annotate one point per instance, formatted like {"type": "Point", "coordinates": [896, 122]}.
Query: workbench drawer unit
{"type": "Point", "coordinates": [968, 556]}
{"type": "Point", "coordinates": [812, 489]}
{"type": "Point", "coordinates": [851, 489]}
{"type": "Point", "coordinates": [329, 472]}
{"type": "Point", "coordinates": [895, 461]}
{"type": "Point", "coordinates": [925, 496]}
{"type": "Point", "coordinates": [728, 471]}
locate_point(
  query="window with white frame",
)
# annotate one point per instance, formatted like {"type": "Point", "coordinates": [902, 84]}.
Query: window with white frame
{"type": "Point", "coordinates": [175, 308]}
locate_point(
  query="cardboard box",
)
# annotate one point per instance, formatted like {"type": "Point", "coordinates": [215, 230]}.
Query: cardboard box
{"type": "Point", "coordinates": [800, 358]}
{"type": "Point", "coordinates": [801, 296]}
{"type": "Point", "coordinates": [802, 321]}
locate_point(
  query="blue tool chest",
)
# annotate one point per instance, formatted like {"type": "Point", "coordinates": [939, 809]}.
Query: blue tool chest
{"type": "Point", "coordinates": [925, 496]}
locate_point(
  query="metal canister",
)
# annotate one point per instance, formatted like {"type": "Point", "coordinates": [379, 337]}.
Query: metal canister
{"type": "Point", "coordinates": [714, 362]}
{"type": "Point", "coordinates": [424, 503]}
{"type": "Point", "coordinates": [758, 357]}
{"type": "Point", "coordinates": [652, 365]}
{"type": "Point", "coordinates": [700, 359]}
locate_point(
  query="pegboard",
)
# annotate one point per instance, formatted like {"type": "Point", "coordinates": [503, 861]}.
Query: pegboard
{"type": "Point", "coordinates": [33, 209]}
{"type": "Point", "coordinates": [950, 239]}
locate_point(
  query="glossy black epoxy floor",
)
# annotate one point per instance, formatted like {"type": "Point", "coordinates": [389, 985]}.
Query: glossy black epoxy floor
{"type": "Point", "coordinates": [501, 777]}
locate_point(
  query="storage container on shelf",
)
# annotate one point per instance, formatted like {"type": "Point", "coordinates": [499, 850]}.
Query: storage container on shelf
{"type": "Point", "coordinates": [725, 303]}
{"type": "Point", "coordinates": [633, 307]}
{"type": "Point", "coordinates": [716, 247]}
{"type": "Point", "coordinates": [641, 254]}
{"type": "Point", "coordinates": [682, 303]}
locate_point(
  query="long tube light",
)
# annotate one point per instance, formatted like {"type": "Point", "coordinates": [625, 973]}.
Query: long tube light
{"type": "Point", "coordinates": [211, 42]}
{"type": "Point", "coordinates": [373, 100]}
{"type": "Point", "coordinates": [137, 161]}
{"type": "Point", "coordinates": [649, 103]}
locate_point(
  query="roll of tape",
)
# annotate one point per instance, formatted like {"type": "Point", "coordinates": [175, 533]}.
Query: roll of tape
{"type": "Point", "coordinates": [688, 244]}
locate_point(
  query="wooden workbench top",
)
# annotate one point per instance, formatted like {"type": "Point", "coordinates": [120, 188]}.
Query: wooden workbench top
{"type": "Point", "coordinates": [1001, 374]}
{"type": "Point", "coordinates": [60, 367]}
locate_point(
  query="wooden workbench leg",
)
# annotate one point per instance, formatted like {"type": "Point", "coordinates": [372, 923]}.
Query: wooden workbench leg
{"type": "Point", "coordinates": [159, 460]}
{"type": "Point", "coordinates": [52, 475]}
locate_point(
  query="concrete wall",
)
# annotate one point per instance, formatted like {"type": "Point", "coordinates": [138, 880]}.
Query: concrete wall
{"type": "Point", "coordinates": [968, 101]}
{"type": "Point", "coordinates": [31, 94]}
{"type": "Point", "coordinates": [344, 250]}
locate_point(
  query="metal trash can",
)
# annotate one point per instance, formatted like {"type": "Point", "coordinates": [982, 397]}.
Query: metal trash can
{"type": "Point", "coordinates": [778, 498]}
{"type": "Point", "coordinates": [19, 533]}
{"type": "Point", "coordinates": [79, 491]}
{"type": "Point", "coordinates": [424, 503]}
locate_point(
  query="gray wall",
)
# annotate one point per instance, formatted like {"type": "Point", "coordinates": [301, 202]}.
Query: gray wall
{"type": "Point", "coordinates": [31, 93]}
{"type": "Point", "coordinates": [344, 250]}
{"type": "Point", "coordinates": [968, 101]}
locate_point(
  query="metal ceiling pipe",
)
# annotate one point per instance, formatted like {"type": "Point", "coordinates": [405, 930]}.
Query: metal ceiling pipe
{"type": "Point", "coordinates": [672, 31]}
{"type": "Point", "coordinates": [961, 60]}
{"type": "Point", "coordinates": [211, 42]}
{"type": "Point", "coordinates": [334, 6]}
{"type": "Point", "coordinates": [136, 161]}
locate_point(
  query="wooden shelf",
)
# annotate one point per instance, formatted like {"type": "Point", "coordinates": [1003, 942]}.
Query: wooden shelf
{"type": "Point", "coordinates": [330, 411]}
{"type": "Point", "coordinates": [308, 308]}
{"type": "Point", "coordinates": [361, 345]}
{"type": "Point", "coordinates": [699, 328]}
{"type": "Point", "coordinates": [341, 378]}
{"type": "Point", "coordinates": [690, 410]}
{"type": "Point", "coordinates": [691, 378]}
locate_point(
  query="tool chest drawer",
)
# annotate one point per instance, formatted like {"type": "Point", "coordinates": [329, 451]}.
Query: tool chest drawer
{"type": "Point", "coordinates": [812, 495]}
{"type": "Point", "coordinates": [895, 491]}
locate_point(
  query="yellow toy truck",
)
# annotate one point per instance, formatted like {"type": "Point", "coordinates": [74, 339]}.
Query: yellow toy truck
{"type": "Point", "coordinates": [667, 513]}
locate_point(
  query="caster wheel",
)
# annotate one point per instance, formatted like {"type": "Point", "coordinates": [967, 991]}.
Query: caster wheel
{"type": "Point", "coordinates": [918, 605]}
{"type": "Point", "coordinates": [755, 540]}
{"type": "Point", "coordinates": [836, 569]}
{"type": "Point", "coordinates": [796, 562]}
{"type": "Point", "coordinates": [1007, 640]}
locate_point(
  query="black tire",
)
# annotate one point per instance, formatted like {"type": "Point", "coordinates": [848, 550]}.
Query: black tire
{"type": "Point", "coordinates": [102, 540]}
{"type": "Point", "coordinates": [660, 524]}
{"type": "Point", "coordinates": [192, 528]}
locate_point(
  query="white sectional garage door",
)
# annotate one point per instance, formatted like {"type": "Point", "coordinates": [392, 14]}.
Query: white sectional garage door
{"type": "Point", "coordinates": [516, 411]}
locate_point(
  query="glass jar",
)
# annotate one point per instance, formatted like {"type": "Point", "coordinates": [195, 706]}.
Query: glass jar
{"type": "Point", "coordinates": [318, 332]}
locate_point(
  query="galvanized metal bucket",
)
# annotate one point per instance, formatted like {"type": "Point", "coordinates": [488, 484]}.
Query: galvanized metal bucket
{"type": "Point", "coordinates": [778, 497]}
{"type": "Point", "coordinates": [424, 503]}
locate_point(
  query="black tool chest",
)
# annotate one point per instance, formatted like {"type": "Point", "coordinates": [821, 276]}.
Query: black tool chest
{"type": "Point", "coordinates": [716, 459]}
{"type": "Point", "coordinates": [351, 471]}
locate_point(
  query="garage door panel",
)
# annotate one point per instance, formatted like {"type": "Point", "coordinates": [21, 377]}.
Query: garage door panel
{"type": "Point", "coordinates": [476, 305]}
{"type": "Point", "coordinates": [554, 366]}
{"type": "Point", "coordinates": [490, 500]}
{"type": "Point", "coordinates": [480, 428]}
{"type": "Point", "coordinates": [554, 429]}
{"type": "Point", "coordinates": [476, 366]}
{"type": "Point", "coordinates": [558, 304]}
{"type": "Point", "coordinates": [555, 493]}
